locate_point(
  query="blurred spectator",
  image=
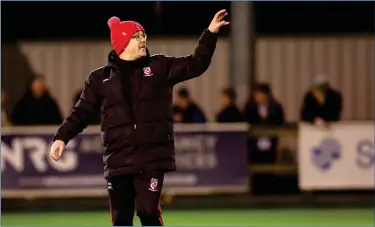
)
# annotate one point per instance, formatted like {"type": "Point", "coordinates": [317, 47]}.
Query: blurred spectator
{"type": "Point", "coordinates": [263, 109]}
{"type": "Point", "coordinates": [229, 111]}
{"type": "Point", "coordinates": [186, 110]}
{"type": "Point", "coordinates": [36, 107]}
{"type": "Point", "coordinates": [321, 103]}
{"type": "Point", "coordinates": [4, 116]}
{"type": "Point", "coordinates": [95, 119]}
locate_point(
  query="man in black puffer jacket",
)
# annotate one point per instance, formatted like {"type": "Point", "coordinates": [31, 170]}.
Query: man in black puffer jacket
{"type": "Point", "coordinates": [134, 93]}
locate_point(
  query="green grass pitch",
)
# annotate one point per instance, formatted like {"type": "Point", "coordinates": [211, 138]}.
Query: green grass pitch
{"type": "Point", "coordinates": [240, 217]}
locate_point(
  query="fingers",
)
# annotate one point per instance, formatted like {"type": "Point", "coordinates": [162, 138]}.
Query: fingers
{"type": "Point", "coordinates": [56, 151]}
{"type": "Point", "coordinates": [54, 154]}
{"type": "Point", "coordinates": [220, 13]}
{"type": "Point", "coordinates": [61, 150]}
{"type": "Point", "coordinates": [221, 16]}
{"type": "Point", "coordinates": [223, 23]}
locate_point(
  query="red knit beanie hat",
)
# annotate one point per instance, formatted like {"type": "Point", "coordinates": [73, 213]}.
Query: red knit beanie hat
{"type": "Point", "coordinates": [122, 32]}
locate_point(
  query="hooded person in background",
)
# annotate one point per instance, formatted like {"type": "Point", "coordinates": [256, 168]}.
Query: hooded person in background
{"type": "Point", "coordinates": [134, 91]}
{"type": "Point", "coordinates": [36, 107]}
{"type": "Point", "coordinates": [321, 103]}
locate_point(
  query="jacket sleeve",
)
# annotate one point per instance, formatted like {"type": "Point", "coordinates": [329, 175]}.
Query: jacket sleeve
{"type": "Point", "coordinates": [88, 103]}
{"type": "Point", "coordinates": [194, 65]}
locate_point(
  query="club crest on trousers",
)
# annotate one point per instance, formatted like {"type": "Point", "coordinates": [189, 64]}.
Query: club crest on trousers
{"type": "Point", "coordinates": [153, 185]}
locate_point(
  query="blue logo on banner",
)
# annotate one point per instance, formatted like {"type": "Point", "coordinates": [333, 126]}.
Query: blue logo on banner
{"type": "Point", "coordinates": [326, 153]}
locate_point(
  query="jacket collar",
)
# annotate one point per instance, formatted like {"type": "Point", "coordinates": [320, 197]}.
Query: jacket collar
{"type": "Point", "coordinates": [114, 61]}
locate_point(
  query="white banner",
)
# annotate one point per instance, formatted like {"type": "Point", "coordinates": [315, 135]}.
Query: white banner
{"type": "Point", "coordinates": [340, 157]}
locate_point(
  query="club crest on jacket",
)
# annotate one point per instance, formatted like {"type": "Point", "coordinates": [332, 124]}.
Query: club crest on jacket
{"type": "Point", "coordinates": [147, 71]}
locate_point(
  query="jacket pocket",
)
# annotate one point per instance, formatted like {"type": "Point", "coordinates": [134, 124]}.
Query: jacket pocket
{"type": "Point", "coordinates": [120, 137]}
{"type": "Point", "coordinates": [154, 133]}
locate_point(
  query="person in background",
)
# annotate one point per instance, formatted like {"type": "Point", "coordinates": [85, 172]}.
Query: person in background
{"type": "Point", "coordinates": [229, 111]}
{"type": "Point", "coordinates": [186, 110]}
{"type": "Point", "coordinates": [263, 109]}
{"type": "Point", "coordinates": [37, 107]}
{"type": "Point", "coordinates": [93, 120]}
{"type": "Point", "coordinates": [321, 104]}
{"type": "Point", "coordinates": [4, 116]}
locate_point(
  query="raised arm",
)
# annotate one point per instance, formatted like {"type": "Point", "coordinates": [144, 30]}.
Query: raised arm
{"type": "Point", "coordinates": [185, 68]}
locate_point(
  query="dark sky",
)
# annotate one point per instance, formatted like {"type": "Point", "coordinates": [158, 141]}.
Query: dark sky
{"type": "Point", "coordinates": [71, 20]}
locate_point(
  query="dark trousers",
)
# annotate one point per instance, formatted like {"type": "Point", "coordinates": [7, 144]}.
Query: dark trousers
{"type": "Point", "coordinates": [141, 192]}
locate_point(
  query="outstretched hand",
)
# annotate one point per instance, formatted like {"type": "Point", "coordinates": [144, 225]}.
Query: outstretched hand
{"type": "Point", "coordinates": [218, 21]}
{"type": "Point", "coordinates": [57, 150]}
